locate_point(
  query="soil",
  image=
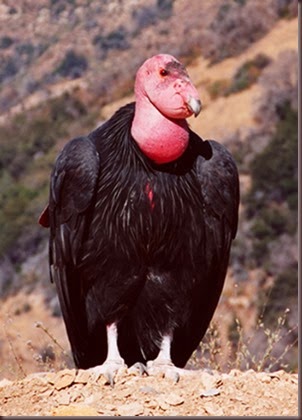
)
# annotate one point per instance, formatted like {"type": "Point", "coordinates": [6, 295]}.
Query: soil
{"type": "Point", "coordinates": [70, 392]}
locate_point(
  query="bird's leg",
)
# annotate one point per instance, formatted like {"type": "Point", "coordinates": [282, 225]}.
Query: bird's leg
{"type": "Point", "coordinates": [163, 363]}
{"type": "Point", "coordinates": [113, 361]}
{"type": "Point", "coordinates": [164, 355]}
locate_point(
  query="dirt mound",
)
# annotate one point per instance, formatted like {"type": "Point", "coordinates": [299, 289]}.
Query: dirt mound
{"type": "Point", "coordinates": [201, 393]}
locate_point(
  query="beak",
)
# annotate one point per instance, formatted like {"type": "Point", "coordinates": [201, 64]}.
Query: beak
{"type": "Point", "coordinates": [194, 105]}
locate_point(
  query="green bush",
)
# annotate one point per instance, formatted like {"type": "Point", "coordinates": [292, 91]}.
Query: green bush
{"type": "Point", "coordinates": [275, 171]}
{"type": "Point", "coordinates": [115, 40]}
{"type": "Point", "coordinates": [272, 201]}
{"type": "Point", "coordinates": [14, 214]}
{"type": "Point", "coordinates": [6, 42]}
{"type": "Point", "coordinates": [73, 65]}
{"type": "Point", "coordinates": [38, 132]}
{"type": "Point", "coordinates": [246, 76]}
{"type": "Point", "coordinates": [248, 73]}
{"type": "Point", "coordinates": [218, 88]}
{"type": "Point", "coordinates": [285, 285]}
{"type": "Point", "coordinates": [27, 156]}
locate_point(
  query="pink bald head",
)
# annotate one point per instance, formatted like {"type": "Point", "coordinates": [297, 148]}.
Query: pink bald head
{"type": "Point", "coordinates": [165, 97]}
{"type": "Point", "coordinates": [166, 83]}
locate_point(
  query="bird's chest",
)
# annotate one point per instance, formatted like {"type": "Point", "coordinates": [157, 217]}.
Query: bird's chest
{"type": "Point", "coordinates": [145, 214]}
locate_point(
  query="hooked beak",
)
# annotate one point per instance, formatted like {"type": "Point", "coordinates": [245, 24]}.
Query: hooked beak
{"type": "Point", "coordinates": [194, 105]}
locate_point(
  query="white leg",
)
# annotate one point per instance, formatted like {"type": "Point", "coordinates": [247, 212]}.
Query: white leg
{"type": "Point", "coordinates": [113, 353]}
{"type": "Point", "coordinates": [113, 361]}
{"type": "Point", "coordinates": [164, 355]}
{"type": "Point", "coordinates": [163, 363]}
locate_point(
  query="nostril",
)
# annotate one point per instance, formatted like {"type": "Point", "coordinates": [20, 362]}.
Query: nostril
{"type": "Point", "coordinates": [179, 84]}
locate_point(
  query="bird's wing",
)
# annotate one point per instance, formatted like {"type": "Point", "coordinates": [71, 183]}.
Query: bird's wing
{"type": "Point", "coordinates": [71, 199]}
{"type": "Point", "coordinates": [72, 190]}
{"type": "Point", "coordinates": [218, 181]}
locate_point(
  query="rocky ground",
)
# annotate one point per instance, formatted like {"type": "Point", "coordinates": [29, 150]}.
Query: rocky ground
{"type": "Point", "coordinates": [75, 393]}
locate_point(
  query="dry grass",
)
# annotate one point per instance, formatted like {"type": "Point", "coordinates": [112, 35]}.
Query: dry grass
{"type": "Point", "coordinates": [264, 349]}
{"type": "Point", "coordinates": [24, 347]}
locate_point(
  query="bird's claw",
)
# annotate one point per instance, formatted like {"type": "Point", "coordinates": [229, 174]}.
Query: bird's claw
{"type": "Point", "coordinates": [139, 368]}
{"type": "Point", "coordinates": [164, 368]}
{"type": "Point", "coordinates": [108, 369]}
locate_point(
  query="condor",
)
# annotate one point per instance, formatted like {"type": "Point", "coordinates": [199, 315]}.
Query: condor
{"type": "Point", "coordinates": [142, 213]}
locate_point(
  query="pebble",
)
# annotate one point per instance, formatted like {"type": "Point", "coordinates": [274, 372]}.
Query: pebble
{"type": "Point", "coordinates": [64, 378]}
{"type": "Point", "coordinates": [174, 399]}
{"type": "Point", "coordinates": [82, 376]}
{"type": "Point", "coordinates": [131, 409]}
{"type": "Point", "coordinates": [210, 392]}
{"type": "Point", "coordinates": [74, 410]}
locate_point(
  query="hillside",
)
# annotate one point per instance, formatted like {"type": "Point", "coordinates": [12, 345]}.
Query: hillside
{"type": "Point", "coordinates": [68, 65]}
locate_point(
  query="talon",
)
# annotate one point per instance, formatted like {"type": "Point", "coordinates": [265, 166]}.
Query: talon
{"type": "Point", "coordinates": [172, 374]}
{"type": "Point", "coordinates": [109, 379]}
{"type": "Point", "coordinates": [108, 369]}
{"type": "Point", "coordinates": [140, 368]}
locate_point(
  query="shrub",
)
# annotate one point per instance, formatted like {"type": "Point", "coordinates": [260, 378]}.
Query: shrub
{"type": "Point", "coordinates": [273, 198]}
{"type": "Point", "coordinates": [279, 83]}
{"type": "Point", "coordinates": [235, 26]}
{"type": "Point", "coordinates": [165, 8]}
{"type": "Point", "coordinates": [8, 69]}
{"type": "Point", "coordinates": [248, 73]}
{"type": "Point", "coordinates": [245, 76]}
{"type": "Point", "coordinates": [27, 152]}
{"type": "Point", "coordinates": [36, 132]}
{"type": "Point", "coordinates": [286, 284]}
{"type": "Point", "coordinates": [6, 42]}
{"type": "Point", "coordinates": [218, 88]}
{"type": "Point", "coordinates": [73, 65]}
{"type": "Point", "coordinates": [115, 40]}
{"type": "Point", "coordinates": [14, 199]}
{"type": "Point", "coordinates": [275, 170]}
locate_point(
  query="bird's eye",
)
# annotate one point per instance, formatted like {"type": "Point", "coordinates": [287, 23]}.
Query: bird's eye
{"type": "Point", "coordinates": [163, 72]}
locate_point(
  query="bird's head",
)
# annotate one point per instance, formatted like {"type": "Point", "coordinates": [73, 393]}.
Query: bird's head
{"type": "Point", "coordinates": [165, 97]}
{"type": "Point", "coordinates": [164, 81]}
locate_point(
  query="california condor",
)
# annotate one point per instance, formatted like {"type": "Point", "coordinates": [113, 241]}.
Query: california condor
{"type": "Point", "coordinates": [142, 213]}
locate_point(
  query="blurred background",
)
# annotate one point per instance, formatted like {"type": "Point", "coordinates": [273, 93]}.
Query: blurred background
{"type": "Point", "coordinates": [66, 66]}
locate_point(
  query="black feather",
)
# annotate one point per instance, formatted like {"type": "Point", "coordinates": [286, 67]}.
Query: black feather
{"type": "Point", "coordinates": [154, 265]}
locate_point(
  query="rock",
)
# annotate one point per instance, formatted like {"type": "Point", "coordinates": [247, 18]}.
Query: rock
{"type": "Point", "coordinates": [264, 377]}
{"type": "Point", "coordinates": [63, 399]}
{"type": "Point", "coordinates": [148, 390]}
{"type": "Point", "coordinates": [64, 378]}
{"type": "Point", "coordinates": [82, 376]}
{"type": "Point", "coordinates": [5, 382]}
{"type": "Point", "coordinates": [131, 409]}
{"type": "Point", "coordinates": [213, 410]}
{"type": "Point", "coordinates": [174, 399]}
{"type": "Point", "coordinates": [208, 380]}
{"type": "Point", "coordinates": [210, 392]}
{"type": "Point", "coordinates": [75, 410]}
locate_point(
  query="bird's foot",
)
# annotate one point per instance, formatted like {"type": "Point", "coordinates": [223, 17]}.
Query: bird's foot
{"type": "Point", "coordinates": [166, 369]}
{"type": "Point", "coordinates": [108, 369]}
{"type": "Point", "coordinates": [138, 368]}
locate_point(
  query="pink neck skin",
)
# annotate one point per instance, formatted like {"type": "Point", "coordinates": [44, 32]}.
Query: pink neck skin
{"type": "Point", "coordinates": [160, 138]}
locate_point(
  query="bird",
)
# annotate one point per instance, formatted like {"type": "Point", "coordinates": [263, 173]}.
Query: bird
{"type": "Point", "coordinates": [142, 213]}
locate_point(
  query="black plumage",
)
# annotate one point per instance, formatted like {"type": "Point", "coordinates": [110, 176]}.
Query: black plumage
{"type": "Point", "coordinates": [137, 243]}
